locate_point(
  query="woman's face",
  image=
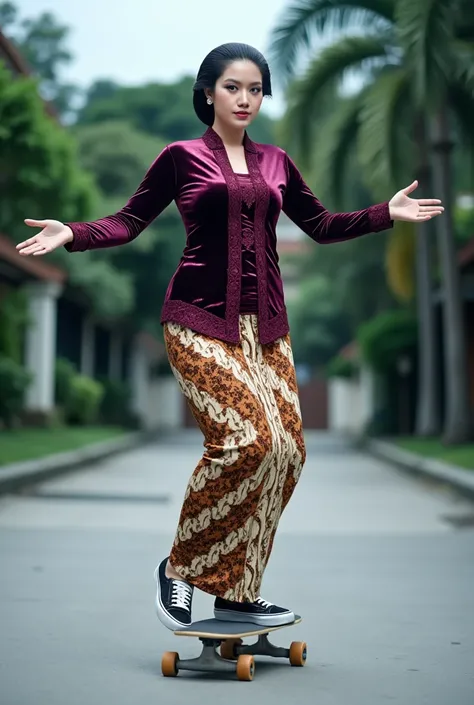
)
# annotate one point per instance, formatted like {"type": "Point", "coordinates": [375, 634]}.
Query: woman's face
{"type": "Point", "coordinates": [238, 95]}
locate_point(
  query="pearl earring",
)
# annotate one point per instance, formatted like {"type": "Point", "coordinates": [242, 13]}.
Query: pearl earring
{"type": "Point", "coordinates": [209, 101]}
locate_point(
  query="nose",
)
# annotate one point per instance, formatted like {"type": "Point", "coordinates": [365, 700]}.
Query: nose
{"type": "Point", "coordinates": [243, 100]}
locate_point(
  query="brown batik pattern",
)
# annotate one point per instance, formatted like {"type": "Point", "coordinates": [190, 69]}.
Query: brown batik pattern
{"type": "Point", "coordinates": [244, 398]}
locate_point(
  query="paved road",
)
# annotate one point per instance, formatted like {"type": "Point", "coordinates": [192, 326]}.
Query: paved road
{"type": "Point", "coordinates": [375, 561]}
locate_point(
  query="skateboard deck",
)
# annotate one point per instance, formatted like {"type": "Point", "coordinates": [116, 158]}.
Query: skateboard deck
{"type": "Point", "coordinates": [218, 629]}
{"type": "Point", "coordinates": [234, 657]}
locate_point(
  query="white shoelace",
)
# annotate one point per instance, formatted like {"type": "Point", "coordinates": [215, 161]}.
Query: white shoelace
{"type": "Point", "coordinates": [263, 603]}
{"type": "Point", "coordinates": [181, 595]}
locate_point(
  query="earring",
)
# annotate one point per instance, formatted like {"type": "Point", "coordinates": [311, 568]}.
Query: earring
{"type": "Point", "coordinates": [209, 101]}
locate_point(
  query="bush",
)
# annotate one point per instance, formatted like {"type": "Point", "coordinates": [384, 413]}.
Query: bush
{"type": "Point", "coordinates": [84, 401]}
{"type": "Point", "coordinates": [65, 371]}
{"type": "Point", "coordinates": [384, 422]}
{"type": "Point", "coordinates": [14, 318]}
{"type": "Point", "coordinates": [387, 337]}
{"type": "Point", "coordinates": [463, 224]}
{"type": "Point", "coordinates": [341, 367]}
{"type": "Point", "coordinates": [115, 405]}
{"type": "Point", "coordinates": [14, 381]}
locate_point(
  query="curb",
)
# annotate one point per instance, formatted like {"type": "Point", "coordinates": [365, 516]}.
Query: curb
{"type": "Point", "coordinates": [460, 480]}
{"type": "Point", "coordinates": [17, 475]}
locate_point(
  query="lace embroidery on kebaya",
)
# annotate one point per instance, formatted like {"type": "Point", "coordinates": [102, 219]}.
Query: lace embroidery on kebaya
{"type": "Point", "coordinates": [247, 190]}
{"type": "Point", "coordinates": [248, 238]}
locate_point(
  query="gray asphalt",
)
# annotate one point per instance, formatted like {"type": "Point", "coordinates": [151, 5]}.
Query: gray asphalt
{"type": "Point", "coordinates": [377, 563]}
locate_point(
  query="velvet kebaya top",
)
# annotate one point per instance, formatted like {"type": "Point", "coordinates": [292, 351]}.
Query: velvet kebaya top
{"type": "Point", "coordinates": [204, 292]}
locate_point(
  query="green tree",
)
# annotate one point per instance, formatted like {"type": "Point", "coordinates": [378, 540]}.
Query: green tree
{"type": "Point", "coordinates": [319, 327]}
{"type": "Point", "coordinates": [388, 126]}
{"type": "Point", "coordinates": [38, 160]}
{"type": "Point", "coordinates": [43, 43]}
{"type": "Point", "coordinates": [163, 110]}
{"type": "Point", "coordinates": [159, 109]}
{"type": "Point", "coordinates": [40, 175]}
{"type": "Point", "coordinates": [117, 154]}
{"type": "Point", "coordinates": [8, 15]}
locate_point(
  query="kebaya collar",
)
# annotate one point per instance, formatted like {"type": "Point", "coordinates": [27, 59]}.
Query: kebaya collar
{"type": "Point", "coordinates": [214, 141]}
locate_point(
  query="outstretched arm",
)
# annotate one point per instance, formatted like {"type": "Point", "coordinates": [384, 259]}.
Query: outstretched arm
{"type": "Point", "coordinates": [155, 192]}
{"type": "Point", "coordinates": [308, 213]}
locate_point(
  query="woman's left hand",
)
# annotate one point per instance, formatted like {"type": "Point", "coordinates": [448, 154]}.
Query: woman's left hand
{"type": "Point", "coordinates": [413, 210]}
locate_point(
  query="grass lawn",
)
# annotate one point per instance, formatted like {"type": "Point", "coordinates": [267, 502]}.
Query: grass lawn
{"type": "Point", "coordinates": [432, 448]}
{"type": "Point", "coordinates": [26, 444]}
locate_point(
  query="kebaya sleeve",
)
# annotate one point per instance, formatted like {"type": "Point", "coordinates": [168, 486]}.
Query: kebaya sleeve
{"type": "Point", "coordinates": [155, 192]}
{"type": "Point", "coordinates": [303, 208]}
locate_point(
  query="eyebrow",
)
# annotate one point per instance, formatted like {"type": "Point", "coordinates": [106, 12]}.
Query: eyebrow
{"type": "Point", "coordinates": [234, 80]}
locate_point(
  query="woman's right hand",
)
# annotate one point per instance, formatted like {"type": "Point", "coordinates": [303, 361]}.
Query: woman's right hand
{"type": "Point", "coordinates": [54, 234]}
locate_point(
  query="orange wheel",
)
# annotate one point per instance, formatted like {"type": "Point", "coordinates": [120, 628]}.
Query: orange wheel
{"type": "Point", "coordinates": [245, 667]}
{"type": "Point", "coordinates": [169, 665]}
{"type": "Point", "coordinates": [228, 648]}
{"type": "Point", "coordinates": [298, 653]}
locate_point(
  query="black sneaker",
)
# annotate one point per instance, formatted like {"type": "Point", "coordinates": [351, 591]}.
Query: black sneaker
{"type": "Point", "coordinates": [173, 599]}
{"type": "Point", "coordinates": [259, 612]}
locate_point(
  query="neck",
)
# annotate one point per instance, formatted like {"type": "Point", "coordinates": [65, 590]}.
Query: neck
{"type": "Point", "coordinates": [231, 136]}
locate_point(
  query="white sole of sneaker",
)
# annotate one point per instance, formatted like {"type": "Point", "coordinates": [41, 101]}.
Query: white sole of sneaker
{"type": "Point", "coordinates": [272, 620]}
{"type": "Point", "coordinates": [165, 618]}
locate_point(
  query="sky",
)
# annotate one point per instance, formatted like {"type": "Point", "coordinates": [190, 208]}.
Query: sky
{"type": "Point", "coordinates": [157, 40]}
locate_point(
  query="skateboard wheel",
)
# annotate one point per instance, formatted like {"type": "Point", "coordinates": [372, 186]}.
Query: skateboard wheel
{"type": "Point", "coordinates": [298, 653]}
{"type": "Point", "coordinates": [169, 664]}
{"type": "Point", "coordinates": [228, 648]}
{"type": "Point", "coordinates": [245, 668]}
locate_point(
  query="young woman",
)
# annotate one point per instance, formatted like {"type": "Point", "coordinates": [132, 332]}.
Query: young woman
{"type": "Point", "coordinates": [226, 329]}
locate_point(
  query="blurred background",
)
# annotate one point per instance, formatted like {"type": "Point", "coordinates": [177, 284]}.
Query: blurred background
{"type": "Point", "coordinates": [367, 97]}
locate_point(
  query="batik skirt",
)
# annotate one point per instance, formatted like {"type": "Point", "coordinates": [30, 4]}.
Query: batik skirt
{"type": "Point", "coordinates": [244, 398]}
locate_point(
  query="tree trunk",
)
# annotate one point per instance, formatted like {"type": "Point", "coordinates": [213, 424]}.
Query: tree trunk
{"type": "Point", "coordinates": [428, 420]}
{"type": "Point", "coordinates": [457, 423]}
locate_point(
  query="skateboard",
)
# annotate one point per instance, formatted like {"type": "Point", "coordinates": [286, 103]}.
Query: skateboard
{"type": "Point", "coordinates": [234, 657]}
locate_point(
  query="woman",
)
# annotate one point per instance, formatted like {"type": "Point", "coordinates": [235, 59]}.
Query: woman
{"type": "Point", "coordinates": [226, 329]}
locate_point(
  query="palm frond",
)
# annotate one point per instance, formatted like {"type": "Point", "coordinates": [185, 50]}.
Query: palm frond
{"type": "Point", "coordinates": [304, 19]}
{"type": "Point", "coordinates": [327, 70]}
{"type": "Point", "coordinates": [464, 20]}
{"type": "Point", "coordinates": [333, 149]}
{"type": "Point", "coordinates": [461, 102]}
{"type": "Point", "coordinates": [463, 64]}
{"type": "Point", "coordinates": [297, 128]}
{"type": "Point", "coordinates": [386, 149]}
{"type": "Point", "coordinates": [426, 32]}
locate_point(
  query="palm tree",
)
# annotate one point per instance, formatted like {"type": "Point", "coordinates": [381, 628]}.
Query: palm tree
{"type": "Point", "coordinates": [437, 38]}
{"type": "Point", "coordinates": [389, 125]}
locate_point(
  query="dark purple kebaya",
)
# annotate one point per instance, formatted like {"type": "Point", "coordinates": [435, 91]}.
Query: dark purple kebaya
{"type": "Point", "coordinates": [205, 292]}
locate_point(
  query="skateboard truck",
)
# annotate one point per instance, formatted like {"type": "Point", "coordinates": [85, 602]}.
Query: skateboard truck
{"type": "Point", "coordinates": [234, 656]}
{"type": "Point", "coordinates": [263, 647]}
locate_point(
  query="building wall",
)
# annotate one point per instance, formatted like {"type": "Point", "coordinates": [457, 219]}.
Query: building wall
{"type": "Point", "coordinates": [351, 402]}
{"type": "Point", "coordinates": [314, 404]}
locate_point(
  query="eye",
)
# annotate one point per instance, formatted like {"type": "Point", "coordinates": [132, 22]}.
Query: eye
{"type": "Point", "coordinates": [230, 88]}
{"type": "Point", "coordinates": [256, 90]}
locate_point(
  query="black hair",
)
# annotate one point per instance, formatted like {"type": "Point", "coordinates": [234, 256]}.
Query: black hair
{"type": "Point", "coordinates": [214, 66]}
